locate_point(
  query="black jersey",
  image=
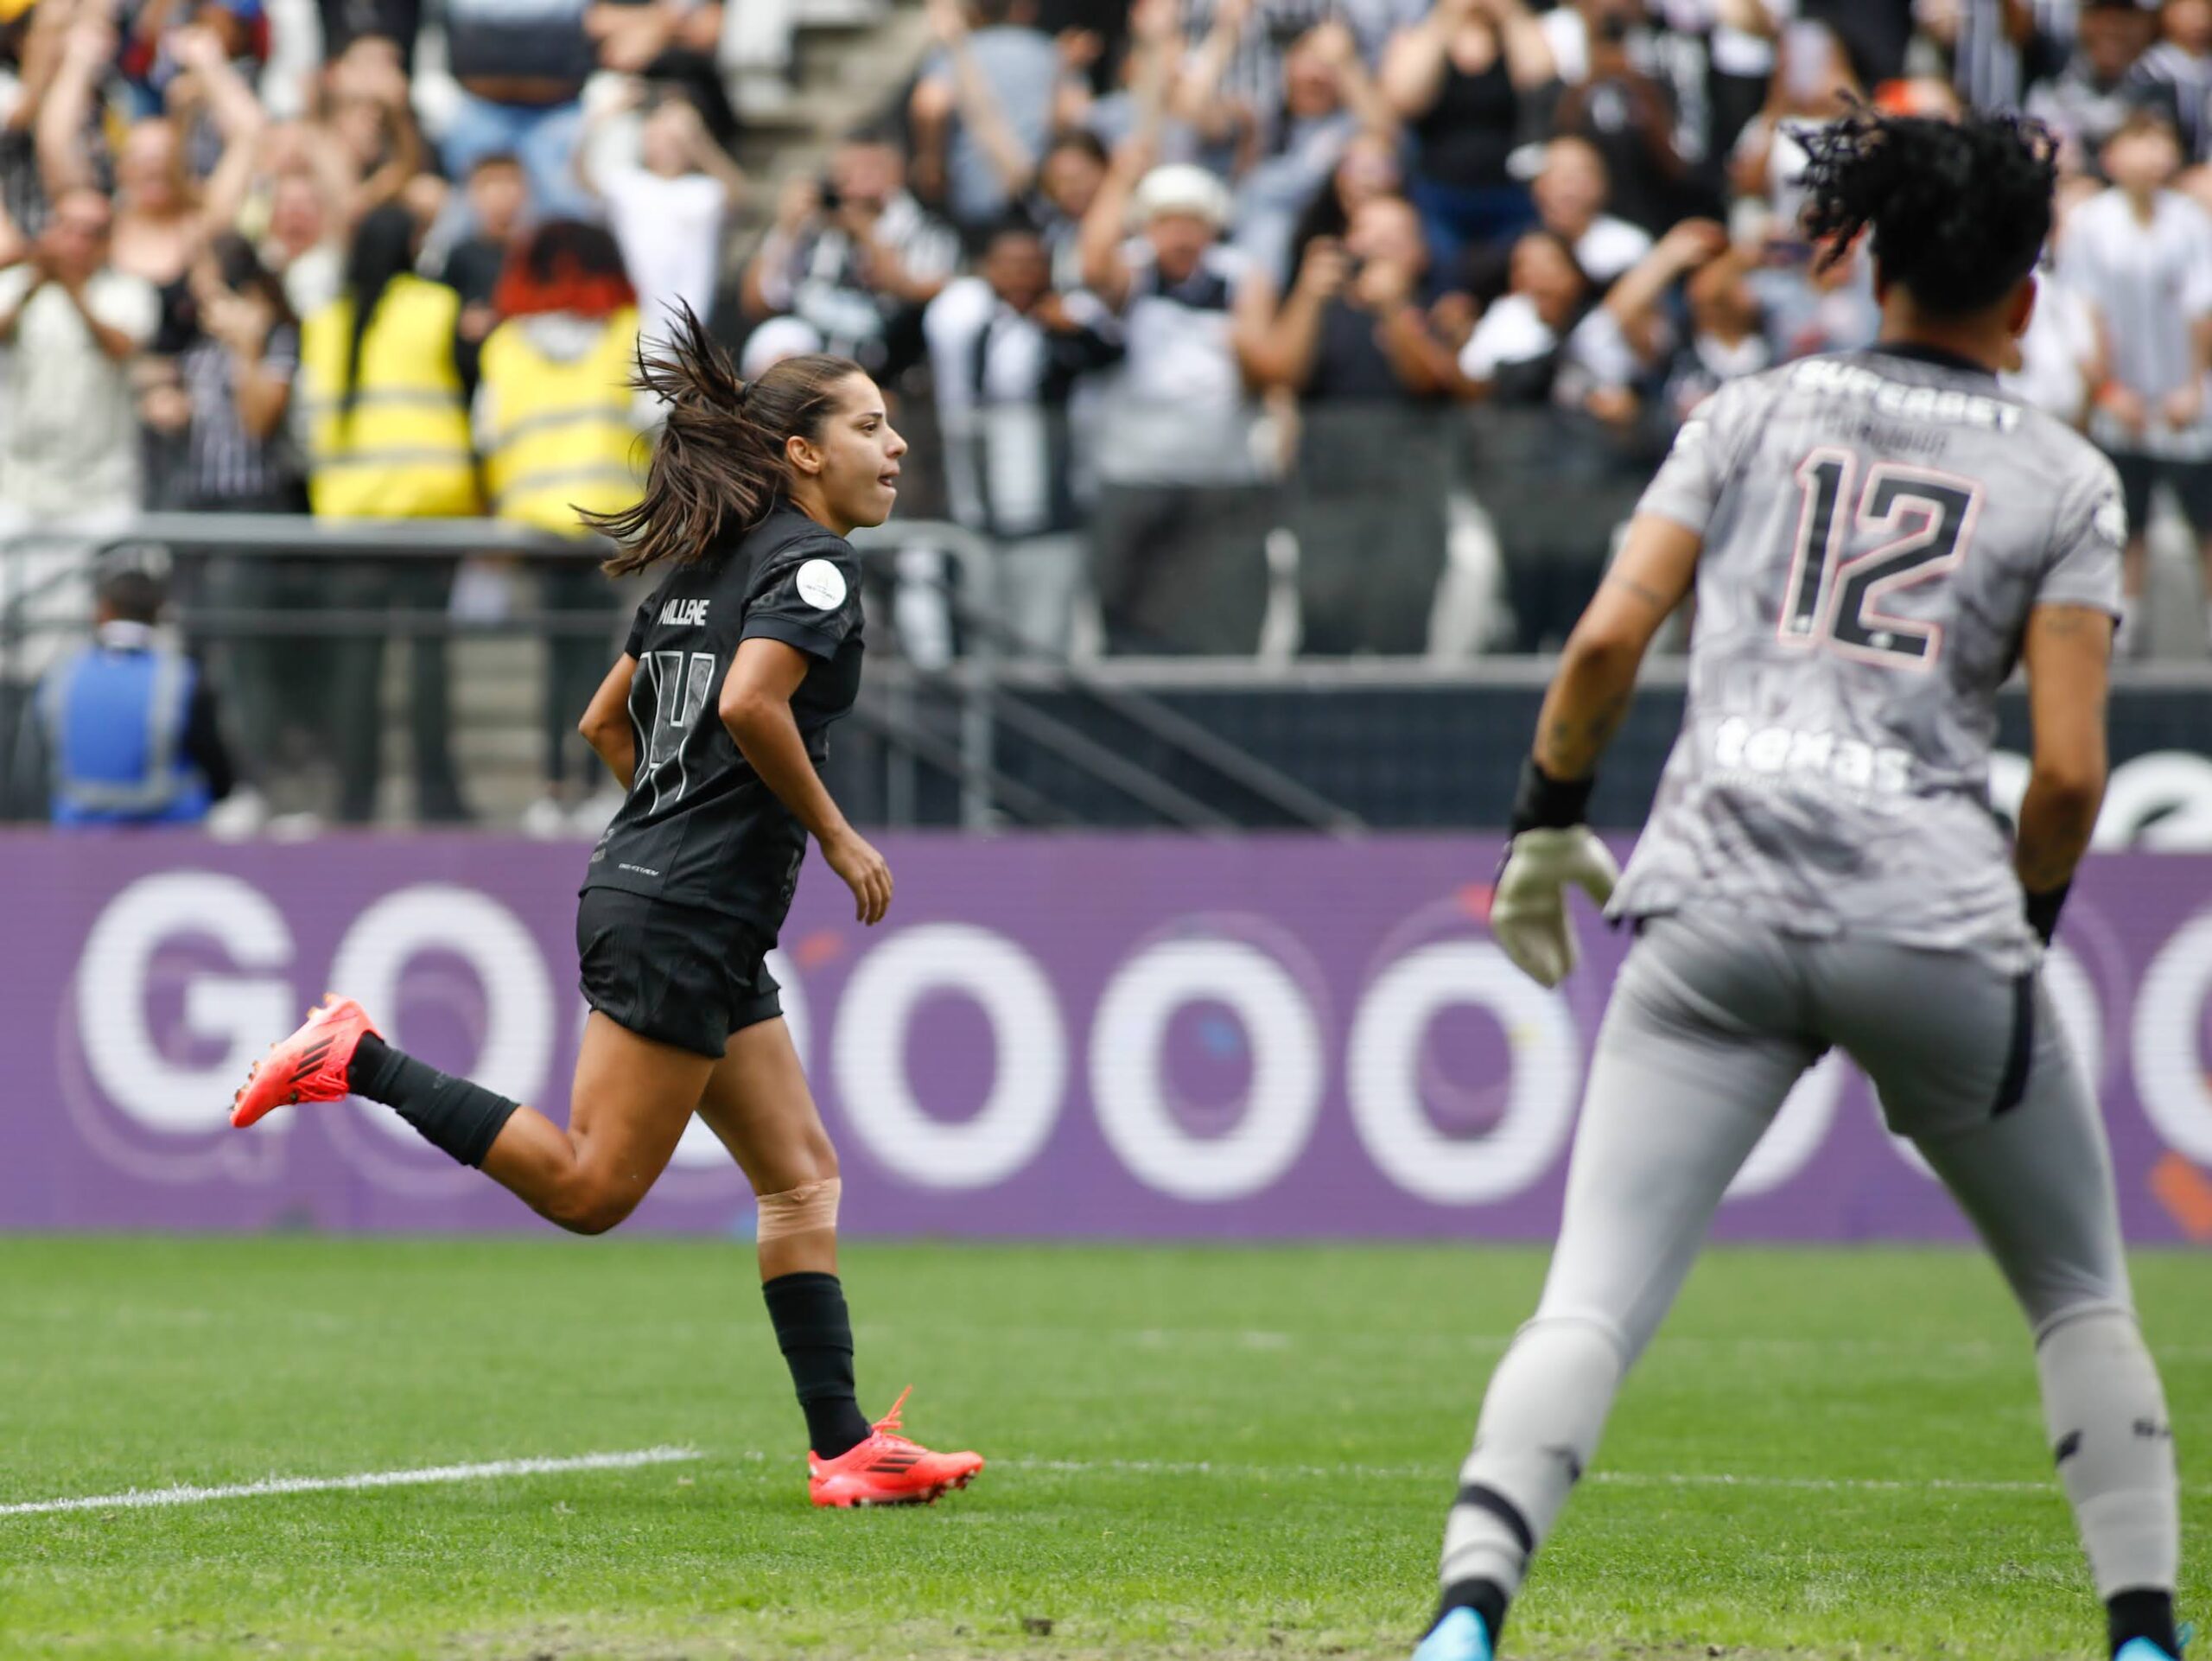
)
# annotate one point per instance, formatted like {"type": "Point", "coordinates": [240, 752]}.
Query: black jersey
{"type": "Point", "coordinates": [699, 828]}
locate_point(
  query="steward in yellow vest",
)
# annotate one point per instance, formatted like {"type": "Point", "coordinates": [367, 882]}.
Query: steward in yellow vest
{"type": "Point", "coordinates": [397, 447]}
{"type": "Point", "coordinates": [556, 423]}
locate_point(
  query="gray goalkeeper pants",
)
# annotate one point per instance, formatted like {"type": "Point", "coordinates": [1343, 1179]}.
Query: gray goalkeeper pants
{"type": "Point", "coordinates": [1712, 1020]}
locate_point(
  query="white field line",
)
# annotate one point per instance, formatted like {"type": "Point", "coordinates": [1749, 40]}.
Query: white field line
{"type": "Point", "coordinates": [140, 1498]}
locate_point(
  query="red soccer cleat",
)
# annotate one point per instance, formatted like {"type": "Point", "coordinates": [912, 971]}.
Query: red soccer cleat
{"type": "Point", "coordinates": [308, 1066]}
{"type": "Point", "coordinates": [888, 1470]}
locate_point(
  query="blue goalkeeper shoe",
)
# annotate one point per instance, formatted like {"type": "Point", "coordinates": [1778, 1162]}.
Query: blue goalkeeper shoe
{"type": "Point", "coordinates": [1461, 1636]}
{"type": "Point", "coordinates": [2142, 1649]}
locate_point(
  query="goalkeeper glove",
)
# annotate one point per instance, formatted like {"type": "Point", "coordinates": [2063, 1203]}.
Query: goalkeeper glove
{"type": "Point", "coordinates": [1550, 848]}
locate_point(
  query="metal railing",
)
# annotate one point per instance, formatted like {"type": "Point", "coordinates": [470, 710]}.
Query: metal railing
{"type": "Point", "coordinates": [56, 603]}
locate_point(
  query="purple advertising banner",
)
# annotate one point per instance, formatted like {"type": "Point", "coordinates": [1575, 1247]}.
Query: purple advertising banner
{"type": "Point", "coordinates": [1262, 1038]}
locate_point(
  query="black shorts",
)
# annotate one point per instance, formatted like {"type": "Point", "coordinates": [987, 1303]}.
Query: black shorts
{"type": "Point", "coordinates": [2140, 475]}
{"type": "Point", "coordinates": [681, 976]}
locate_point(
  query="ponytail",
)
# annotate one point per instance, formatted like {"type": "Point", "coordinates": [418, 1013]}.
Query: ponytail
{"type": "Point", "coordinates": [718, 464]}
{"type": "Point", "coordinates": [1960, 210]}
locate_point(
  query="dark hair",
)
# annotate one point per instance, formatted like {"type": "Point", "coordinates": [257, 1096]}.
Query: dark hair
{"type": "Point", "coordinates": [564, 265]}
{"type": "Point", "coordinates": [384, 247]}
{"type": "Point", "coordinates": [133, 594]}
{"type": "Point", "coordinates": [1960, 210]}
{"type": "Point", "coordinates": [494, 159]}
{"type": "Point", "coordinates": [718, 464]}
{"type": "Point", "coordinates": [1083, 139]}
{"type": "Point", "coordinates": [241, 271]}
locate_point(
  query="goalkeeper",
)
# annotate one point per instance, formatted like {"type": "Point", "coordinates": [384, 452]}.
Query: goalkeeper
{"type": "Point", "coordinates": [1875, 539]}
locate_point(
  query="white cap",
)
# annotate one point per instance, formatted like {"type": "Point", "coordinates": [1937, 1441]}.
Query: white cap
{"type": "Point", "coordinates": [1181, 187]}
{"type": "Point", "coordinates": [773, 342]}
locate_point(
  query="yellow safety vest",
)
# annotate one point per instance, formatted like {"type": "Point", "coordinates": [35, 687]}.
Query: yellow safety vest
{"type": "Point", "coordinates": [562, 436]}
{"type": "Point", "coordinates": [405, 453]}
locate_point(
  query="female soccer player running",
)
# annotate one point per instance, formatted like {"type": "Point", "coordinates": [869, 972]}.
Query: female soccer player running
{"type": "Point", "coordinates": [1875, 538]}
{"type": "Point", "coordinates": [714, 720]}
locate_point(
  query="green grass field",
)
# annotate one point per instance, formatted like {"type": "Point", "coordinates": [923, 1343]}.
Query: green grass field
{"type": "Point", "coordinates": [1195, 1454]}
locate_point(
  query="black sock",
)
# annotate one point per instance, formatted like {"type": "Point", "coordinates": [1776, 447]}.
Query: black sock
{"type": "Point", "coordinates": [816, 1335]}
{"type": "Point", "coordinates": [2130, 1615]}
{"type": "Point", "coordinates": [1486, 1598]}
{"type": "Point", "coordinates": [455, 1115]}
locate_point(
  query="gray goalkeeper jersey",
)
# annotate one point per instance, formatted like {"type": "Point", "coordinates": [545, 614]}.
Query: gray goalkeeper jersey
{"type": "Point", "coordinates": [1877, 526]}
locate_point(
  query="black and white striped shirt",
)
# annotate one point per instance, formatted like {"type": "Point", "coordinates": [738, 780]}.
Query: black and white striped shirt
{"type": "Point", "coordinates": [224, 465]}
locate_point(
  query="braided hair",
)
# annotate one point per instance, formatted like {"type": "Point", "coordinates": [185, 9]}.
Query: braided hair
{"type": "Point", "coordinates": [1960, 210]}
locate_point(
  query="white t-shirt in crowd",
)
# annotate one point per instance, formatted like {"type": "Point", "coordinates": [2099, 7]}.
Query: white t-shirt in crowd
{"type": "Point", "coordinates": [81, 447]}
{"type": "Point", "coordinates": [1609, 247]}
{"type": "Point", "coordinates": [671, 234]}
{"type": "Point", "coordinates": [2150, 285]}
{"type": "Point", "coordinates": [2061, 341]}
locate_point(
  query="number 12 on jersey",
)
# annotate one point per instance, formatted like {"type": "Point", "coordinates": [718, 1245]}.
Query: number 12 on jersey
{"type": "Point", "coordinates": [1925, 518]}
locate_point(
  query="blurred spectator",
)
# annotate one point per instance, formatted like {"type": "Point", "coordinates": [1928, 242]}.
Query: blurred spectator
{"type": "Point", "coordinates": [236, 373]}
{"type": "Point", "coordinates": [1007, 351]}
{"type": "Point", "coordinates": [1570, 192]}
{"type": "Point", "coordinates": [2061, 356]}
{"type": "Point", "coordinates": [1875, 35]}
{"type": "Point", "coordinates": [1367, 169]}
{"type": "Point", "coordinates": [389, 439]}
{"type": "Point", "coordinates": [1516, 351]}
{"type": "Point", "coordinates": [668, 211]}
{"type": "Point", "coordinates": [300, 245]}
{"type": "Point", "coordinates": [2177, 73]}
{"type": "Point", "coordinates": [374, 149]}
{"type": "Point", "coordinates": [558, 424]}
{"type": "Point", "coordinates": [1179, 561]}
{"type": "Point", "coordinates": [2140, 254]}
{"type": "Point", "coordinates": [1994, 48]}
{"type": "Point", "coordinates": [126, 731]}
{"type": "Point", "coordinates": [1253, 36]}
{"type": "Point", "coordinates": [1464, 79]}
{"type": "Point", "coordinates": [1327, 99]}
{"type": "Point", "coordinates": [855, 256]}
{"type": "Point", "coordinates": [1812, 304]}
{"type": "Point", "coordinates": [1067, 184]}
{"type": "Point", "coordinates": [1161, 80]}
{"type": "Point", "coordinates": [76, 323]}
{"type": "Point", "coordinates": [1616, 98]}
{"type": "Point", "coordinates": [236, 380]}
{"type": "Point", "coordinates": [522, 65]}
{"type": "Point", "coordinates": [1726, 335]}
{"type": "Point", "coordinates": [69, 450]}
{"type": "Point", "coordinates": [346, 21]}
{"type": "Point", "coordinates": [671, 45]}
{"type": "Point", "coordinates": [1554, 371]}
{"type": "Point", "coordinates": [498, 192]}
{"type": "Point", "coordinates": [1812, 84]}
{"type": "Point", "coordinates": [1373, 464]}
{"type": "Point", "coordinates": [2084, 102]}
{"type": "Point", "coordinates": [983, 108]}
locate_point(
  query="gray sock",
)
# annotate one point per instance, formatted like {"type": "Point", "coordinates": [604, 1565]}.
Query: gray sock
{"type": "Point", "coordinates": [2113, 1444]}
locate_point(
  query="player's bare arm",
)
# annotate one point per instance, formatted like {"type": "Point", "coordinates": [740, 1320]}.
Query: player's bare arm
{"type": "Point", "coordinates": [756, 707]}
{"type": "Point", "coordinates": [2068, 652]}
{"type": "Point", "coordinates": [606, 722]}
{"type": "Point", "coordinates": [1551, 846]}
{"type": "Point", "coordinates": [1590, 695]}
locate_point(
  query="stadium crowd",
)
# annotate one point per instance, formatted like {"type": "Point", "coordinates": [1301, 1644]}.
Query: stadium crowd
{"type": "Point", "coordinates": [1340, 326]}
